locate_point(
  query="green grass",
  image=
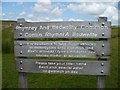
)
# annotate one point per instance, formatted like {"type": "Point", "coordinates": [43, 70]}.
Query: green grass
{"type": "Point", "coordinates": [0, 70]}
{"type": "Point", "coordinates": [10, 75]}
{"type": "Point", "coordinates": [7, 40]}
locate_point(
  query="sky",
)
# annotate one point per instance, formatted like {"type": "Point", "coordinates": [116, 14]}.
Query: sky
{"type": "Point", "coordinates": [51, 10]}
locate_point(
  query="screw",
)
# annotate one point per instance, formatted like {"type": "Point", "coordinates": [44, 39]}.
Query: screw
{"type": "Point", "coordinates": [102, 71]}
{"type": "Point", "coordinates": [21, 62]}
{"type": "Point", "coordinates": [21, 68]}
{"type": "Point", "coordinates": [20, 25]}
{"type": "Point", "coordinates": [20, 44]}
{"type": "Point", "coordinates": [103, 34]}
{"type": "Point", "coordinates": [20, 52]}
{"type": "Point", "coordinates": [102, 64]}
{"type": "Point", "coordinates": [103, 24]}
{"type": "Point", "coordinates": [103, 45]}
{"type": "Point", "coordinates": [103, 54]}
{"type": "Point", "coordinates": [38, 63]}
{"type": "Point", "coordinates": [20, 34]}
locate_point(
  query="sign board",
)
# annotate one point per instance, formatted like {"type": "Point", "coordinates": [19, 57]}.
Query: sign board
{"type": "Point", "coordinates": [63, 30]}
{"type": "Point", "coordinates": [75, 49]}
{"type": "Point", "coordinates": [63, 66]}
{"type": "Point", "coordinates": [26, 46]}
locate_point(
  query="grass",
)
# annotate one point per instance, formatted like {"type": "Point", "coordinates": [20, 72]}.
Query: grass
{"type": "Point", "coordinates": [0, 70]}
{"type": "Point", "coordinates": [7, 40]}
{"type": "Point", "coordinates": [10, 75]}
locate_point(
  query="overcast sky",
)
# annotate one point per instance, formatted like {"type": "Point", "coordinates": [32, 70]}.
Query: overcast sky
{"type": "Point", "coordinates": [60, 11]}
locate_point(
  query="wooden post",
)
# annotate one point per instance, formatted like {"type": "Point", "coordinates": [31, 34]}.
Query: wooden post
{"type": "Point", "coordinates": [22, 75]}
{"type": "Point", "coordinates": [101, 78]}
{"type": "Point", "coordinates": [101, 82]}
{"type": "Point", "coordinates": [23, 81]}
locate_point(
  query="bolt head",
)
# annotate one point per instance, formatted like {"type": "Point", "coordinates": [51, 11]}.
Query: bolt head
{"type": "Point", "coordinates": [103, 24]}
{"type": "Point", "coordinates": [102, 71]}
{"type": "Point", "coordinates": [20, 25]}
{"type": "Point", "coordinates": [20, 52]}
{"type": "Point", "coordinates": [21, 68]}
{"type": "Point", "coordinates": [103, 45]}
{"type": "Point", "coordinates": [20, 44]}
{"type": "Point", "coordinates": [20, 34]}
{"type": "Point", "coordinates": [102, 64]}
{"type": "Point", "coordinates": [103, 54]}
{"type": "Point", "coordinates": [103, 34]}
{"type": "Point", "coordinates": [21, 62]}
